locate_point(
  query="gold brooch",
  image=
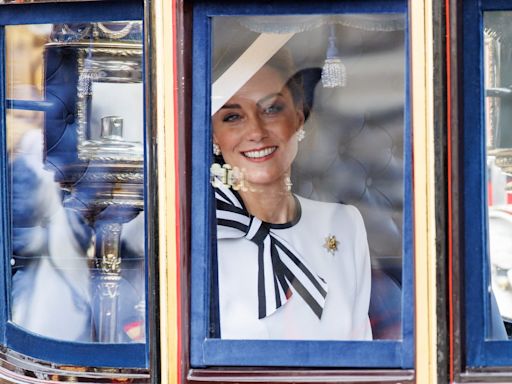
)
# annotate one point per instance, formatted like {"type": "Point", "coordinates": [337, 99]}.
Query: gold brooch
{"type": "Point", "coordinates": [331, 244]}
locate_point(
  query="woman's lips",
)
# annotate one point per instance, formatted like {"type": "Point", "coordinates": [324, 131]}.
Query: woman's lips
{"type": "Point", "coordinates": [259, 154]}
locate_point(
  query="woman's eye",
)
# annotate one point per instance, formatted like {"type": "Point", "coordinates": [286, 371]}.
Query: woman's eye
{"type": "Point", "coordinates": [273, 109]}
{"type": "Point", "coordinates": [231, 117]}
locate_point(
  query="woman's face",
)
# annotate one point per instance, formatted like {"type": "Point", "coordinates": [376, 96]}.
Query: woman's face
{"type": "Point", "coordinates": [256, 128]}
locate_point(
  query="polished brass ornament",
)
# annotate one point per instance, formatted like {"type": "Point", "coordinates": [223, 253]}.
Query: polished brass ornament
{"type": "Point", "coordinates": [103, 169]}
{"type": "Point", "coordinates": [331, 244]}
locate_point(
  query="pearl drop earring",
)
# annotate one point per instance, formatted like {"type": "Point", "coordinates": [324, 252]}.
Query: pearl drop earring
{"type": "Point", "coordinates": [216, 149]}
{"type": "Point", "coordinates": [301, 133]}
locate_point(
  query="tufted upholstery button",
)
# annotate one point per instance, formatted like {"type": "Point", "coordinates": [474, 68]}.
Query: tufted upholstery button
{"type": "Point", "coordinates": [61, 79]}
{"type": "Point", "coordinates": [70, 118]}
{"type": "Point", "coordinates": [369, 182]}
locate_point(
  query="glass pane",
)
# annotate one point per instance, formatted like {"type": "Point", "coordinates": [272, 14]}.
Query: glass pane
{"type": "Point", "coordinates": [498, 111]}
{"type": "Point", "coordinates": [308, 130]}
{"type": "Point", "coordinates": [75, 143]}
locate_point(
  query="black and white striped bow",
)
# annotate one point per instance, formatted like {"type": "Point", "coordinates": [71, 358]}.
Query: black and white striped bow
{"type": "Point", "coordinates": [279, 264]}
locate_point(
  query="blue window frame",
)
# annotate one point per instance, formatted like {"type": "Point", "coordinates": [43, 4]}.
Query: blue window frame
{"type": "Point", "coordinates": [484, 346]}
{"type": "Point", "coordinates": [128, 355]}
{"type": "Point", "coordinates": [207, 350]}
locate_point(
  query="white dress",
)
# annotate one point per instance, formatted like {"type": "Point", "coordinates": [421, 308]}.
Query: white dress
{"type": "Point", "coordinates": [346, 272]}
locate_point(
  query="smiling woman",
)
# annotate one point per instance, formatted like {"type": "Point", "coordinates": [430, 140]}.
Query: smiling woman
{"type": "Point", "coordinates": [288, 267]}
{"type": "Point", "coordinates": [256, 132]}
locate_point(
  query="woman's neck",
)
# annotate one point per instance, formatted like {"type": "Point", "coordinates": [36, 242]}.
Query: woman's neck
{"type": "Point", "coordinates": [270, 205]}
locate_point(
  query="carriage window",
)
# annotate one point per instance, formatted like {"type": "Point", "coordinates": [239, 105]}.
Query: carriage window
{"type": "Point", "coordinates": [76, 182]}
{"type": "Point", "coordinates": [305, 137]}
{"type": "Point", "coordinates": [486, 170]}
{"type": "Point", "coordinates": [498, 111]}
{"type": "Point", "coordinates": [307, 183]}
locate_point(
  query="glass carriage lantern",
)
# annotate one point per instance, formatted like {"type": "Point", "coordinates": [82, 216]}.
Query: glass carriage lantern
{"type": "Point", "coordinates": [94, 143]}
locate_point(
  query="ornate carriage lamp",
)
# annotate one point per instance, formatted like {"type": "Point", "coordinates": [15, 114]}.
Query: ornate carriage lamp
{"type": "Point", "coordinates": [94, 143]}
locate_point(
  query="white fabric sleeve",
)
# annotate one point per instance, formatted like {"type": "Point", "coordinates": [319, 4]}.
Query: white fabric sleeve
{"type": "Point", "coordinates": [51, 296]}
{"type": "Point", "coordinates": [361, 321]}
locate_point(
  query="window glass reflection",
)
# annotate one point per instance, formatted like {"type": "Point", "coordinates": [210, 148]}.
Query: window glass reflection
{"type": "Point", "coordinates": [308, 127]}
{"type": "Point", "coordinates": [498, 111]}
{"type": "Point", "coordinates": [75, 146]}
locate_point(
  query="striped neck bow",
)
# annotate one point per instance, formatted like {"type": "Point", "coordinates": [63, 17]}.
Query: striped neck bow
{"type": "Point", "coordinates": [281, 270]}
